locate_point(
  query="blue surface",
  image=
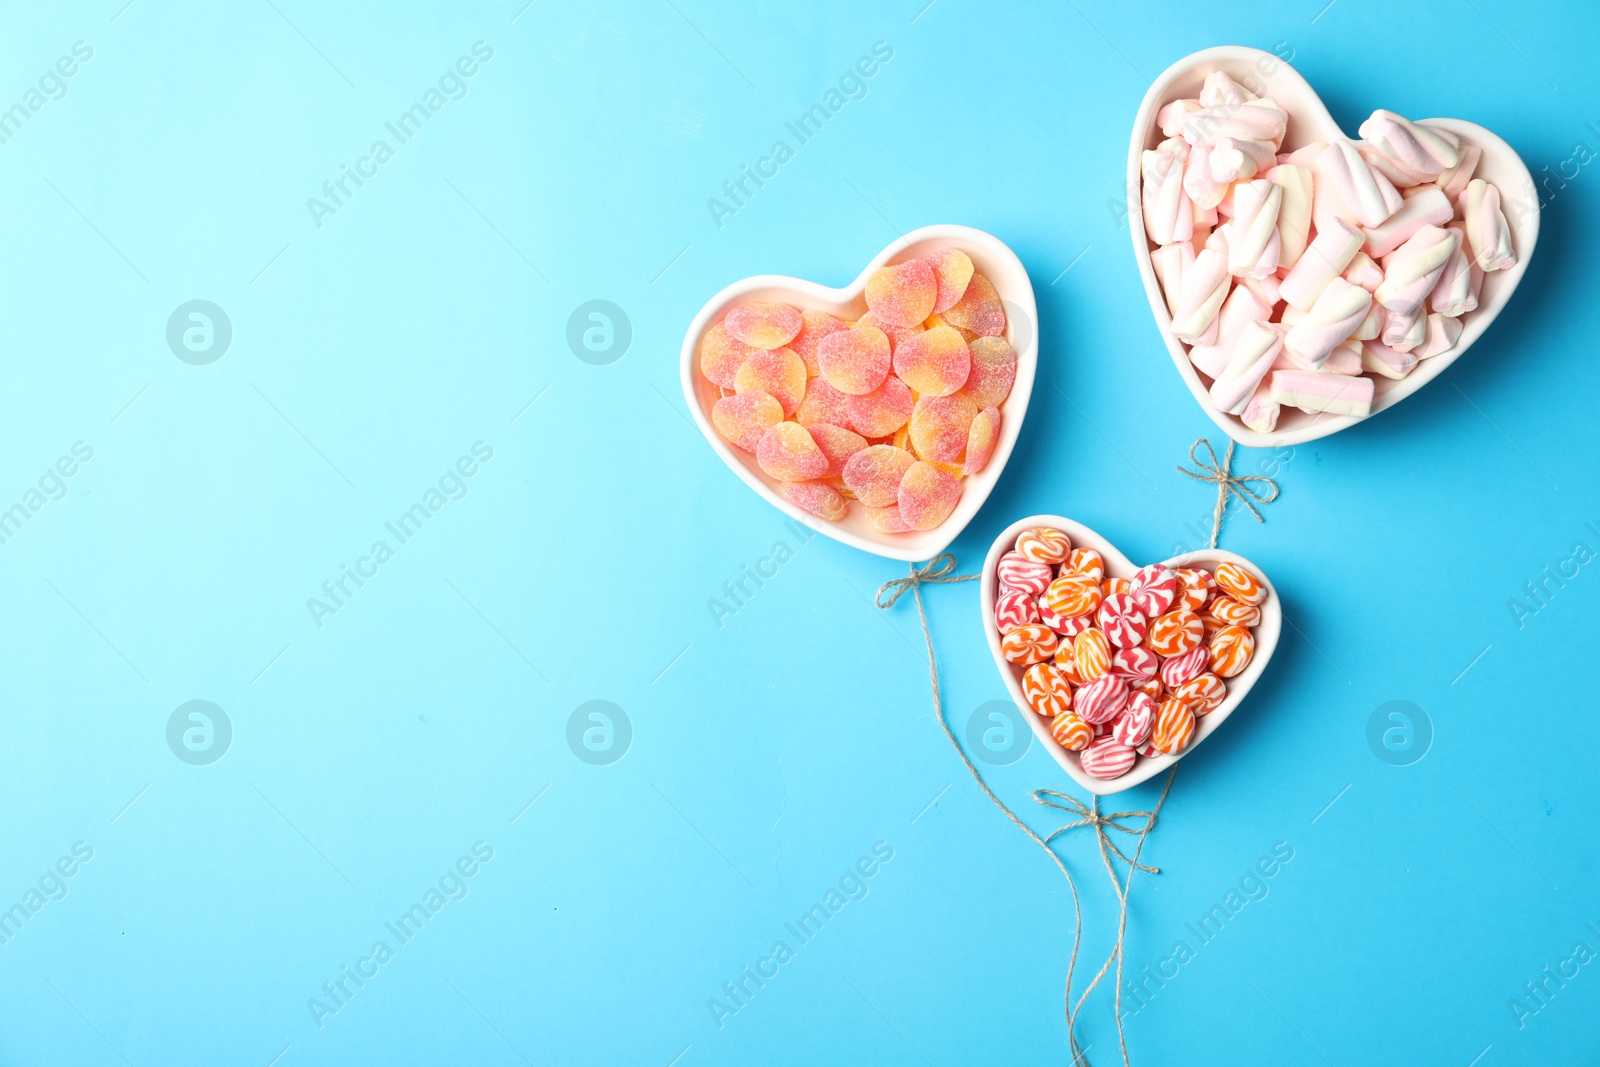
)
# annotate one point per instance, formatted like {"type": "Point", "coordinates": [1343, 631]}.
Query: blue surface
{"type": "Point", "coordinates": [375, 345]}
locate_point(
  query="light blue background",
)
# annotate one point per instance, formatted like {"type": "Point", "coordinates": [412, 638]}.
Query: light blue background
{"type": "Point", "coordinates": [772, 752]}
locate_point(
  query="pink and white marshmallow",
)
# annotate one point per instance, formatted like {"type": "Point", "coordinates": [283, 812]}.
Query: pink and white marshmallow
{"type": "Point", "coordinates": [1253, 242]}
{"type": "Point", "coordinates": [1420, 149]}
{"type": "Point", "coordinates": [1330, 253]}
{"type": "Point", "coordinates": [1168, 215]}
{"type": "Point", "coordinates": [1332, 319]}
{"type": "Point", "coordinates": [1487, 230]}
{"type": "Point", "coordinates": [1365, 193]}
{"type": "Point", "coordinates": [1410, 271]}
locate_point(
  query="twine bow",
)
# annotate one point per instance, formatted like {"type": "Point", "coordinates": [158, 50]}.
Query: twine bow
{"type": "Point", "coordinates": [1221, 475]}
{"type": "Point", "coordinates": [1090, 815]}
{"type": "Point", "coordinates": [934, 571]}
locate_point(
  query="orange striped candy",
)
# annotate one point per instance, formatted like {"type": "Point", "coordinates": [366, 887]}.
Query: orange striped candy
{"type": "Point", "coordinates": [1230, 612]}
{"type": "Point", "coordinates": [1092, 652]}
{"type": "Point", "coordinates": [1067, 663]}
{"type": "Point", "coordinates": [1152, 688]}
{"type": "Point", "coordinates": [1044, 545]}
{"type": "Point", "coordinates": [1046, 690]}
{"type": "Point", "coordinates": [1072, 595]}
{"type": "Point", "coordinates": [1195, 588]}
{"type": "Point", "coordinates": [1174, 727]}
{"type": "Point", "coordinates": [1084, 561]}
{"type": "Point", "coordinates": [1231, 649]}
{"type": "Point", "coordinates": [1113, 586]}
{"type": "Point", "coordinates": [1203, 694]}
{"type": "Point", "coordinates": [1175, 633]}
{"type": "Point", "coordinates": [1211, 626]}
{"type": "Point", "coordinates": [1071, 732]}
{"type": "Point", "coordinates": [1030, 644]}
{"type": "Point", "coordinates": [1240, 583]}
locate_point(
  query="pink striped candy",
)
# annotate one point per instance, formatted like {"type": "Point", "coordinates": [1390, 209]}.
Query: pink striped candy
{"type": "Point", "coordinates": [1107, 758]}
{"type": "Point", "coordinates": [1013, 608]}
{"type": "Point", "coordinates": [1020, 572]}
{"type": "Point", "coordinates": [1187, 667]}
{"type": "Point", "coordinates": [1060, 623]}
{"type": "Point", "coordinates": [1101, 700]}
{"type": "Point", "coordinates": [1137, 665]}
{"type": "Point", "coordinates": [1155, 589]}
{"type": "Point", "coordinates": [1124, 624]}
{"type": "Point", "coordinates": [1133, 726]}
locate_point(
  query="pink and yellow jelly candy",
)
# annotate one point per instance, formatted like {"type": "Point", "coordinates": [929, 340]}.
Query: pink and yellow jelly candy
{"type": "Point", "coordinates": [788, 453]}
{"type": "Point", "coordinates": [940, 427]}
{"type": "Point", "coordinates": [896, 334]}
{"type": "Point", "coordinates": [952, 270]}
{"type": "Point", "coordinates": [927, 496]}
{"type": "Point", "coordinates": [746, 417]}
{"type": "Point", "coordinates": [887, 520]}
{"type": "Point", "coordinates": [779, 373]}
{"type": "Point", "coordinates": [874, 474]}
{"type": "Point", "coordinates": [822, 403]}
{"type": "Point", "coordinates": [935, 362]}
{"type": "Point", "coordinates": [903, 294]}
{"type": "Point", "coordinates": [838, 444]}
{"type": "Point", "coordinates": [981, 438]}
{"type": "Point", "coordinates": [854, 361]}
{"type": "Point", "coordinates": [978, 310]}
{"type": "Point", "coordinates": [819, 498]}
{"type": "Point", "coordinates": [763, 326]}
{"type": "Point", "coordinates": [721, 356]}
{"type": "Point", "coordinates": [882, 411]}
{"type": "Point", "coordinates": [993, 373]}
{"type": "Point", "coordinates": [814, 326]}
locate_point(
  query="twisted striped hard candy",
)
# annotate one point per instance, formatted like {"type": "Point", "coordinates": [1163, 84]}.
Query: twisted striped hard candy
{"type": "Point", "coordinates": [1240, 583]}
{"type": "Point", "coordinates": [1187, 667]}
{"type": "Point", "coordinates": [1065, 625]}
{"type": "Point", "coordinates": [1044, 545]}
{"type": "Point", "coordinates": [1116, 586]}
{"type": "Point", "coordinates": [1175, 633]}
{"type": "Point", "coordinates": [1092, 652]}
{"type": "Point", "coordinates": [1231, 612]}
{"type": "Point", "coordinates": [1071, 732]}
{"type": "Point", "coordinates": [1020, 572]}
{"type": "Point", "coordinates": [1174, 726]}
{"type": "Point", "coordinates": [1210, 625]}
{"type": "Point", "coordinates": [1067, 663]}
{"type": "Point", "coordinates": [1204, 694]}
{"type": "Point", "coordinates": [1030, 644]}
{"type": "Point", "coordinates": [1124, 624]}
{"type": "Point", "coordinates": [1101, 700]}
{"type": "Point", "coordinates": [1231, 649]}
{"type": "Point", "coordinates": [1046, 690]}
{"type": "Point", "coordinates": [1107, 758]}
{"type": "Point", "coordinates": [1133, 726]}
{"type": "Point", "coordinates": [1084, 561]}
{"type": "Point", "coordinates": [1137, 665]}
{"type": "Point", "coordinates": [1196, 587]}
{"type": "Point", "coordinates": [1015, 607]}
{"type": "Point", "coordinates": [1072, 595]}
{"type": "Point", "coordinates": [1155, 589]}
{"type": "Point", "coordinates": [1152, 688]}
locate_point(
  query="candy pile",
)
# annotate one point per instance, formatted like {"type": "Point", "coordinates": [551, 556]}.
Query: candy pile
{"type": "Point", "coordinates": [1293, 277]}
{"type": "Point", "coordinates": [1121, 667]}
{"type": "Point", "coordinates": [892, 409]}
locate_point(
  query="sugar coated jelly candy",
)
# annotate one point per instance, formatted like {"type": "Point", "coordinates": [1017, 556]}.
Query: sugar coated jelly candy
{"type": "Point", "coordinates": [935, 362]}
{"type": "Point", "coordinates": [763, 325]}
{"type": "Point", "coordinates": [1045, 690]}
{"type": "Point", "coordinates": [940, 426]}
{"type": "Point", "coordinates": [1071, 732]}
{"type": "Point", "coordinates": [927, 496]}
{"type": "Point", "coordinates": [1027, 645]}
{"type": "Point", "coordinates": [788, 453]}
{"type": "Point", "coordinates": [814, 326]}
{"type": "Point", "coordinates": [952, 270]}
{"type": "Point", "coordinates": [721, 356]}
{"type": "Point", "coordinates": [1043, 544]}
{"type": "Point", "coordinates": [746, 417]}
{"type": "Point", "coordinates": [993, 371]}
{"type": "Point", "coordinates": [819, 498]}
{"type": "Point", "coordinates": [1240, 583]}
{"type": "Point", "coordinates": [778, 372]}
{"type": "Point", "coordinates": [887, 520]}
{"type": "Point", "coordinates": [854, 361]}
{"type": "Point", "coordinates": [822, 403]}
{"type": "Point", "coordinates": [874, 473]}
{"type": "Point", "coordinates": [903, 294]}
{"type": "Point", "coordinates": [1231, 649]}
{"type": "Point", "coordinates": [978, 310]}
{"type": "Point", "coordinates": [882, 411]}
{"type": "Point", "coordinates": [896, 334]}
{"type": "Point", "coordinates": [838, 444]}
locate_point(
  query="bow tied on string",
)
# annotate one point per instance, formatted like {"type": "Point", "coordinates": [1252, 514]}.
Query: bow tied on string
{"type": "Point", "coordinates": [1090, 816]}
{"type": "Point", "coordinates": [1226, 482]}
{"type": "Point", "coordinates": [934, 571]}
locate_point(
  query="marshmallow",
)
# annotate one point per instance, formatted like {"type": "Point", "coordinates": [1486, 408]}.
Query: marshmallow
{"type": "Point", "coordinates": [1294, 215]}
{"type": "Point", "coordinates": [1237, 159]}
{"type": "Point", "coordinates": [1420, 149]}
{"type": "Point", "coordinates": [1454, 293]}
{"type": "Point", "coordinates": [1411, 271]}
{"type": "Point", "coordinates": [1404, 332]}
{"type": "Point", "coordinates": [1205, 286]}
{"type": "Point", "coordinates": [1443, 332]}
{"type": "Point", "coordinates": [1266, 289]}
{"type": "Point", "coordinates": [1253, 355]}
{"type": "Point", "coordinates": [1398, 176]}
{"type": "Point", "coordinates": [1167, 214]}
{"type": "Point", "coordinates": [1253, 242]}
{"type": "Point", "coordinates": [1330, 253]}
{"type": "Point", "coordinates": [1372, 325]}
{"type": "Point", "coordinates": [1381, 359]}
{"type": "Point", "coordinates": [1172, 116]}
{"type": "Point", "coordinates": [1344, 359]}
{"type": "Point", "coordinates": [1365, 193]}
{"type": "Point", "coordinates": [1430, 207]}
{"type": "Point", "coordinates": [1306, 156]}
{"type": "Point", "coordinates": [1257, 120]}
{"type": "Point", "coordinates": [1261, 413]}
{"type": "Point", "coordinates": [1220, 88]}
{"type": "Point", "coordinates": [1487, 231]}
{"type": "Point", "coordinates": [1170, 261]}
{"type": "Point", "coordinates": [1456, 178]}
{"type": "Point", "coordinates": [1202, 188]}
{"type": "Point", "coordinates": [1335, 394]}
{"type": "Point", "coordinates": [1363, 272]}
{"type": "Point", "coordinates": [1333, 318]}
{"type": "Point", "coordinates": [1240, 309]}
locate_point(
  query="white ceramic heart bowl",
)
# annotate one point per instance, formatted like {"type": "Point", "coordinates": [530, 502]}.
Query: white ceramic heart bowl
{"type": "Point", "coordinates": [995, 261]}
{"type": "Point", "coordinates": [1266, 75]}
{"type": "Point", "coordinates": [1118, 566]}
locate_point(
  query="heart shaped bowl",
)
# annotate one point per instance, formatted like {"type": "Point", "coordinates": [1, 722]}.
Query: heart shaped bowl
{"type": "Point", "coordinates": [1119, 566]}
{"type": "Point", "coordinates": [1266, 75]}
{"type": "Point", "coordinates": [990, 257]}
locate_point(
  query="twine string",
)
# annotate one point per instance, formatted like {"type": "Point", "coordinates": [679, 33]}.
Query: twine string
{"type": "Point", "coordinates": [1220, 474]}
